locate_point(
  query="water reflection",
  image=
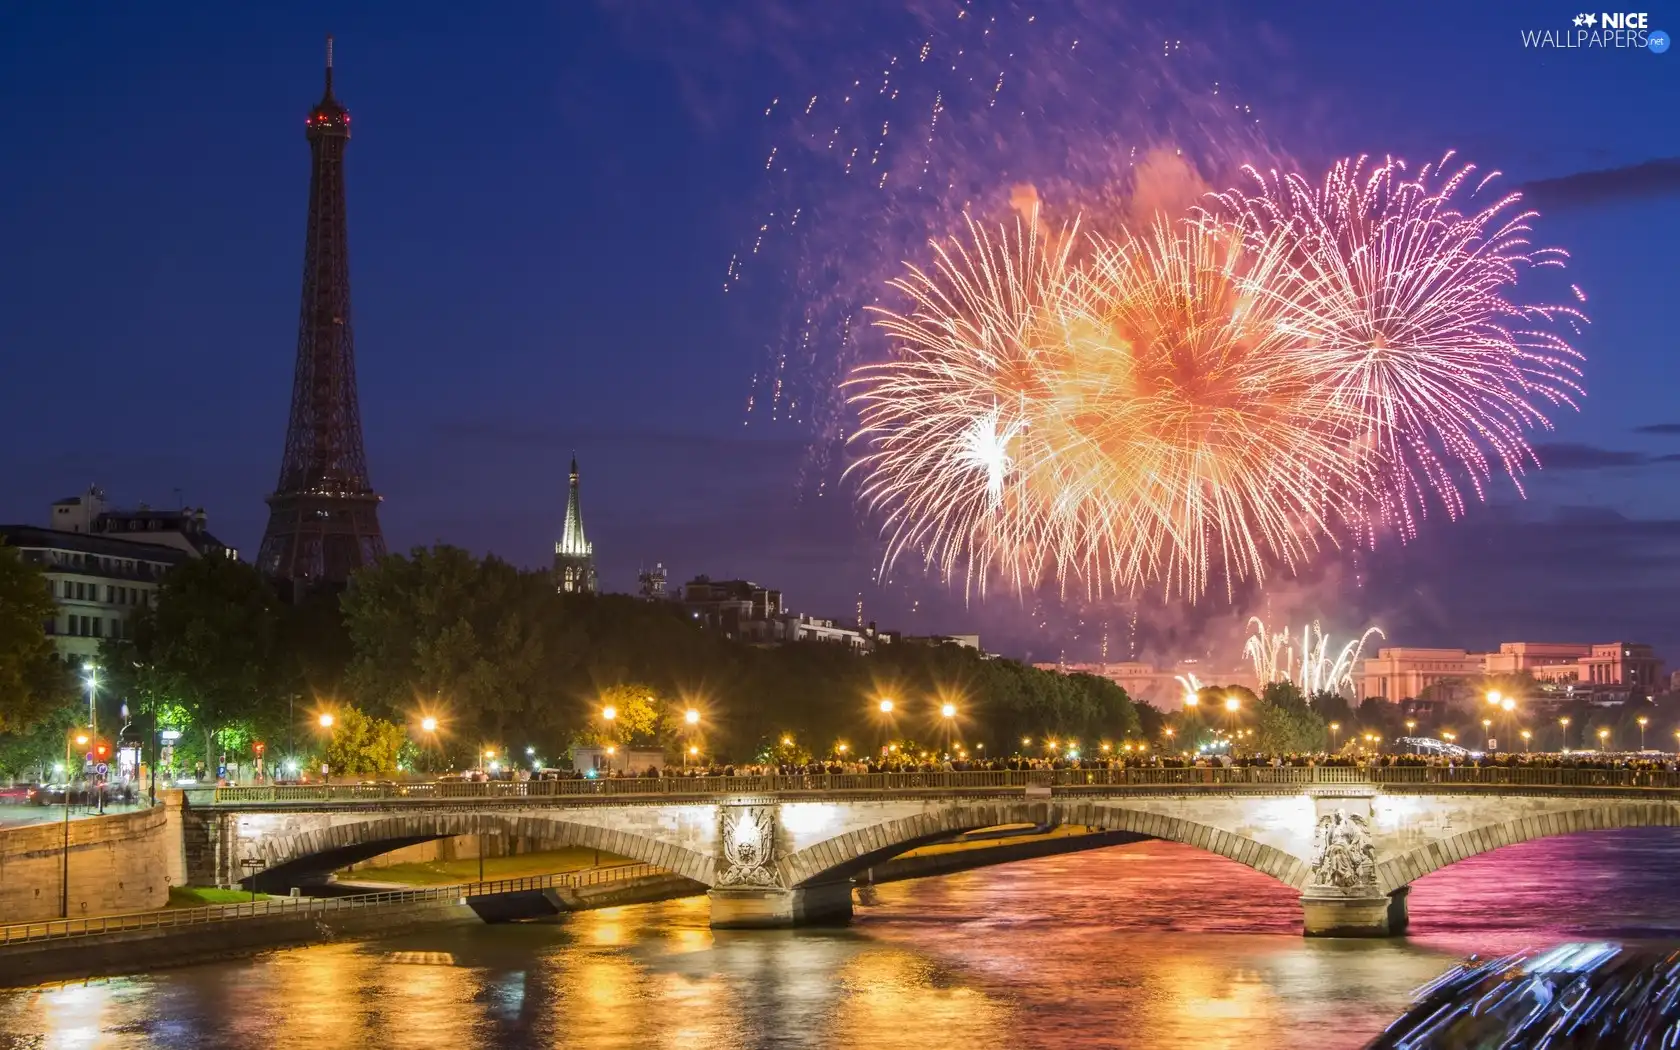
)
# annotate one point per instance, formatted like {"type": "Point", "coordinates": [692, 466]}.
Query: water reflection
{"type": "Point", "coordinates": [1154, 945]}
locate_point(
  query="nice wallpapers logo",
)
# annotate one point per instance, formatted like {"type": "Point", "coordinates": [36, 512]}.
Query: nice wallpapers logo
{"type": "Point", "coordinates": [1609, 30]}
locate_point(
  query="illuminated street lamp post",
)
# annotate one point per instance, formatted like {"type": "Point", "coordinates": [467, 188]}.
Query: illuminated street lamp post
{"type": "Point", "coordinates": [609, 714]}
{"type": "Point", "coordinates": [1525, 734]}
{"type": "Point", "coordinates": [429, 726]}
{"type": "Point", "coordinates": [1603, 739]}
{"type": "Point", "coordinates": [1563, 733]}
{"type": "Point", "coordinates": [1487, 731]}
{"type": "Point", "coordinates": [64, 879]}
{"type": "Point", "coordinates": [325, 721]}
{"type": "Point", "coordinates": [1335, 727]}
{"type": "Point", "coordinates": [1643, 722]}
{"type": "Point", "coordinates": [1411, 728]}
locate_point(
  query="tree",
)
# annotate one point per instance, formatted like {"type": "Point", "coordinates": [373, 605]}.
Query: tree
{"type": "Point", "coordinates": [638, 718]}
{"type": "Point", "coordinates": [360, 743]}
{"type": "Point", "coordinates": [211, 645]}
{"type": "Point", "coordinates": [441, 630]}
{"type": "Point", "coordinates": [1282, 727]}
{"type": "Point", "coordinates": [33, 681]}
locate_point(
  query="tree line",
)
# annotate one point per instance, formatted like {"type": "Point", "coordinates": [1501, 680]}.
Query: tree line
{"type": "Point", "coordinates": [504, 662]}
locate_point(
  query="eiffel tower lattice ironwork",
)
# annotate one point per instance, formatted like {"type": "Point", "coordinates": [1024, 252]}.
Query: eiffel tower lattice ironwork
{"type": "Point", "coordinates": [323, 520]}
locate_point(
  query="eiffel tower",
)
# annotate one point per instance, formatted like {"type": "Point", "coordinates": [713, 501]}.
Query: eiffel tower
{"type": "Point", "coordinates": [323, 521]}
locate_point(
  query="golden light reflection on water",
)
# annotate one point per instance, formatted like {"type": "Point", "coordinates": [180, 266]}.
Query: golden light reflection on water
{"type": "Point", "coordinates": [893, 997]}
{"type": "Point", "coordinates": [1154, 946]}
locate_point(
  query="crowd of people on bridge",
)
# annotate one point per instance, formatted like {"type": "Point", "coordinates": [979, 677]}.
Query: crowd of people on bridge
{"type": "Point", "coordinates": [1145, 760]}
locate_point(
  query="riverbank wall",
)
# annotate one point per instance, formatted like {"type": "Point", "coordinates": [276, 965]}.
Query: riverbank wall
{"type": "Point", "coordinates": [120, 862]}
{"type": "Point", "coordinates": [139, 951]}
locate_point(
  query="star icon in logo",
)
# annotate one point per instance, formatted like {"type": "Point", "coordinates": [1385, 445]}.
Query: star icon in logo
{"type": "Point", "coordinates": [1592, 20]}
{"type": "Point", "coordinates": [1580, 20]}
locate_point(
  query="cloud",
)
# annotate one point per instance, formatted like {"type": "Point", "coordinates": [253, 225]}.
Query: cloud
{"type": "Point", "coordinates": [1582, 189]}
{"type": "Point", "coordinates": [1658, 428]}
{"type": "Point", "coordinates": [1569, 455]}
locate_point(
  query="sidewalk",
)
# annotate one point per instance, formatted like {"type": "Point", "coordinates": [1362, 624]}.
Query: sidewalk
{"type": "Point", "coordinates": [18, 816]}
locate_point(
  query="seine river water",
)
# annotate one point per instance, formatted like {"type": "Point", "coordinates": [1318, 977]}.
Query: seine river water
{"type": "Point", "coordinates": [1152, 945]}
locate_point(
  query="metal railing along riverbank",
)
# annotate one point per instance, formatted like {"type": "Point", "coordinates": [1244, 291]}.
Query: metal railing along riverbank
{"type": "Point", "coordinates": [289, 907]}
{"type": "Point", "coordinates": [1139, 777]}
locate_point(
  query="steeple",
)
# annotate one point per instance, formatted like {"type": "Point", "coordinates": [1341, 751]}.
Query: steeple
{"type": "Point", "coordinates": [574, 555]}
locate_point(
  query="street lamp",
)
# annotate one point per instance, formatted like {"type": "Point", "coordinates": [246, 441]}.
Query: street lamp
{"type": "Point", "coordinates": [1525, 734]}
{"type": "Point", "coordinates": [948, 710]}
{"type": "Point", "coordinates": [1563, 732]}
{"type": "Point", "coordinates": [325, 720]}
{"type": "Point", "coordinates": [1603, 738]}
{"type": "Point", "coordinates": [92, 680]}
{"type": "Point", "coordinates": [1643, 722]}
{"type": "Point", "coordinates": [428, 724]}
{"type": "Point", "coordinates": [692, 717]}
{"type": "Point", "coordinates": [885, 706]}
{"type": "Point", "coordinates": [1232, 704]}
{"type": "Point", "coordinates": [1487, 727]}
{"type": "Point", "coordinates": [1335, 727]}
{"type": "Point", "coordinates": [1493, 698]}
{"type": "Point", "coordinates": [64, 883]}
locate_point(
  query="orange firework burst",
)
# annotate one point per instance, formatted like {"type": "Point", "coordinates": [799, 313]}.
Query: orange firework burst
{"type": "Point", "coordinates": [1211, 397]}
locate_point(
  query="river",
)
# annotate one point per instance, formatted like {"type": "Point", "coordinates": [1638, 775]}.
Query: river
{"type": "Point", "coordinates": [1153, 945]}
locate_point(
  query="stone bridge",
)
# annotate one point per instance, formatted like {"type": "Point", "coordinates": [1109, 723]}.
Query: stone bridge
{"type": "Point", "coordinates": [783, 851]}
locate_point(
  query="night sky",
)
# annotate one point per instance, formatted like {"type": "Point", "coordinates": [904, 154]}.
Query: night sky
{"type": "Point", "coordinates": [545, 198]}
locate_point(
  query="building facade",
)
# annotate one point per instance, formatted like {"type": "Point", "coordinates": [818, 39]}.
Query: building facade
{"type": "Point", "coordinates": [731, 606]}
{"type": "Point", "coordinates": [574, 555]}
{"type": "Point", "coordinates": [98, 582]}
{"type": "Point", "coordinates": [1564, 670]}
{"type": "Point", "coordinates": [92, 514]}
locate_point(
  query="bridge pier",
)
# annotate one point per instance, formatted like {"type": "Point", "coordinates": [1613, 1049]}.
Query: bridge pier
{"type": "Point", "coordinates": [828, 904]}
{"type": "Point", "coordinates": [1377, 916]}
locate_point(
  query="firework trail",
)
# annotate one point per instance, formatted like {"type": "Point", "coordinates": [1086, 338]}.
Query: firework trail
{"type": "Point", "coordinates": [1219, 394]}
{"type": "Point", "coordinates": [1312, 667]}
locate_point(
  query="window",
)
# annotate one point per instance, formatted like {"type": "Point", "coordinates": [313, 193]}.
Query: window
{"type": "Point", "coordinates": [98, 627]}
{"type": "Point", "coordinates": [81, 591]}
{"type": "Point", "coordinates": [110, 594]}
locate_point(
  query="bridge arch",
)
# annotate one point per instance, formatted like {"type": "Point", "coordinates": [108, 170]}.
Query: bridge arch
{"type": "Point", "coordinates": [859, 849]}
{"type": "Point", "coordinates": [310, 855]}
{"type": "Point", "coordinates": [1406, 868]}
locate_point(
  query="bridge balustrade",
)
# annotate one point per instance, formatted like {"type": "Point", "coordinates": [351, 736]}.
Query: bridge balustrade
{"type": "Point", "coordinates": [1142, 777]}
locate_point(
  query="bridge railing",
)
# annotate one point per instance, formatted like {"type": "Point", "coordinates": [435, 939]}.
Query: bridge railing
{"type": "Point", "coordinates": [1142, 777]}
{"type": "Point", "coordinates": [282, 907]}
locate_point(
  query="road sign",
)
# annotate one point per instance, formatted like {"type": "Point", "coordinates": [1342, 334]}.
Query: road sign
{"type": "Point", "coordinates": [1493, 743]}
{"type": "Point", "coordinates": [102, 768]}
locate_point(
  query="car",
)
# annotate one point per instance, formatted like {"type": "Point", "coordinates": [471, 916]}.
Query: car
{"type": "Point", "coordinates": [16, 794]}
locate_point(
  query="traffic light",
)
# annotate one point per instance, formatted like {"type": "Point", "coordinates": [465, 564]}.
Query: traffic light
{"type": "Point", "coordinates": [101, 750]}
{"type": "Point", "coordinates": [259, 747]}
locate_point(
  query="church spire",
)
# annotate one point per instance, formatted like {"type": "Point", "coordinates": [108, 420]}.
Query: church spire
{"type": "Point", "coordinates": [574, 555]}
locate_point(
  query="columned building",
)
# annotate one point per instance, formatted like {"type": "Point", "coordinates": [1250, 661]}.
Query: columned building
{"type": "Point", "coordinates": [574, 555]}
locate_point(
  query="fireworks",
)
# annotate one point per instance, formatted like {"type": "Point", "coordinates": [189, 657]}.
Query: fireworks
{"type": "Point", "coordinates": [1312, 667]}
{"type": "Point", "coordinates": [1402, 299]}
{"type": "Point", "coordinates": [1213, 396]}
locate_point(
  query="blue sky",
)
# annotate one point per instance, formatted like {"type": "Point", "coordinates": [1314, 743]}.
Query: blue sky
{"type": "Point", "coordinates": [544, 200]}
